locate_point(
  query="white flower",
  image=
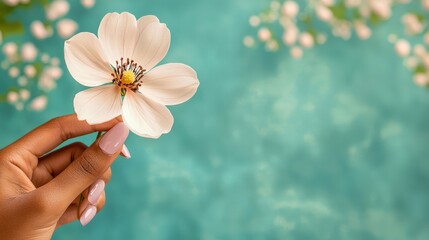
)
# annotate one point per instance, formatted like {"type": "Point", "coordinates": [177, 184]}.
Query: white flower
{"type": "Point", "coordinates": [254, 21]}
{"type": "Point", "coordinates": [290, 35]}
{"type": "Point", "coordinates": [13, 72]}
{"type": "Point", "coordinates": [290, 9]}
{"type": "Point", "coordinates": [24, 94]}
{"type": "Point", "coordinates": [248, 41]}
{"type": "Point", "coordinates": [57, 9]}
{"type": "Point", "coordinates": [264, 34]}
{"type": "Point", "coordinates": [88, 3]}
{"type": "Point", "coordinates": [412, 24]}
{"type": "Point", "coordinates": [30, 71]}
{"type": "Point", "coordinates": [10, 49]}
{"type": "Point", "coordinates": [12, 97]}
{"type": "Point", "coordinates": [39, 103]}
{"type": "Point", "coordinates": [39, 30]}
{"type": "Point", "coordinates": [382, 8]}
{"type": "Point", "coordinates": [28, 52]}
{"type": "Point", "coordinates": [425, 4]}
{"type": "Point", "coordinates": [120, 62]}
{"type": "Point", "coordinates": [402, 48]}
{"type": "Point", "coordinates": [324, 13]}
{"type": "Point", "coordinates": [421, 79]}
{"type": "Point", "coordinates": [66, 28]}
{"type": "Point", "coordinates": [11, 3]}
{"type": "Point", "coordinates": [362, 30]}
{"type": "Point", "coordinates": [296, 52]}
{"type": "Point", "coordinates": [306, 40]}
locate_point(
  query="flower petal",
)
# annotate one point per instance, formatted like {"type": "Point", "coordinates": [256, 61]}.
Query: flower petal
{"type": "Point", "coordinates": [143, 22]}
{"type": "Point", "coordinates": [152, 45]}
{"type": "Point", "coordinates": [145, 117]}
{"type": "Point", "coordinates": [117, 34]}
{"type": "Point", "coordinates": [170, 84]}
{"type": "Point", "coordinates": [86, 60]}
{"type": "Point", "coordinates": [99, 104]}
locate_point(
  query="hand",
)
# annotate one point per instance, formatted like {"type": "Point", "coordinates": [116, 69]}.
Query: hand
{"type": "Point", "coordinates": [40, 190]}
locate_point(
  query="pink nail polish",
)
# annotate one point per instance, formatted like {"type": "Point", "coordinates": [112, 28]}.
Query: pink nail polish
{"type": "Point", "coordinates": [95, 191]}
{"type": "Point", "coordinates": [113, 140]}
{"type": "Point", "coordinates": [126, 152]}
{"type": "Point", "coordinates": [88, 215]}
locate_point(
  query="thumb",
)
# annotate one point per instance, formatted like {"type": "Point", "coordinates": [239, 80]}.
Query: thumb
{"type": "Point", "coordinates": [89, 167]}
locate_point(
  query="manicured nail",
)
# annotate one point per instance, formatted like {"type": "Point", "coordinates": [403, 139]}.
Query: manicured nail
{"type": "Point", "coordinates": [87, 215]}
{"type": "Point", "coordinates": [95, 191]}
{"type": "Point", "coordinates": [126, 152]}
{"type": "Point", "coordinates": [113, 140]}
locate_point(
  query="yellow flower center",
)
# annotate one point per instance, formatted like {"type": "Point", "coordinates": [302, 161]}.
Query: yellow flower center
{"type": "Point", "coordinates": [128, 77]}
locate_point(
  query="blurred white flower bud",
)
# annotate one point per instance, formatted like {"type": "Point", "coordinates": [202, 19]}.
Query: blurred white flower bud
{"type": "Point", "coordinates": [248, 41]}
{"type": "Point", "coordinates": [11, 3]}
{"type": "Point", "coordinates": [88, 3]}
{"type": "Point", "coordinates": [306, 40]}
{"type": "Point", "coordinates": [12, 97]}
{"type": "Point", "coordinates": [382, 8]}
{"type": "Point", "coordinates": [22, 81]}
{"type": "Point", "coordinates": [264, 34]}
{"type": "Point", "coordinates": [296, 52]}
{"type": "Point", "coordinates": [57, 9]}
{"type": "Point", "coordinates": [13, 72]}
{"type": "Point", "coordinates": [353, 3]}
{"type": "Point", "coordinates": [254, 21]}
{"type": "Point", "coordinates": [362, 30]}
{"type": "Point", "coordinates": [54, 72]}
{"type": "Point", "coordinates": [10, 49]}
{"type": "Point", "coordinates": [421, 79]}
{"type": "Point", "coordinates": [425, 4]}
{"type": "Point", "coordinates": [66, 28]}
{"type": "Point", "coordinates": [290, 9]}
{"type": "Point", "coordinates": [402, 47]}
{"type": "Point", "coordinates": [419, 50]}
{"type": "Point", "coordinates": [39, 103]}
{"type": "Point", "coordinates": [327, 2]}
{"type": "Point", "coordinates": [28, 52]}
{"type": "Point", "coordinates": [30, 71]}
{"type": "Point", "coordinates": [412, 24]}
{"type": "Point", "coordinates": [55, 61]}
{"type": "Point", "coordinates": [39, 30]}
{"type": "Point", "coordinates": [324, 13]}
{"type": "Point", "coordinates": [272, 45]}
{"type": "Point", "coordinates": [24, 94]}
{"type": "Point", "coordinates": [19, 106]}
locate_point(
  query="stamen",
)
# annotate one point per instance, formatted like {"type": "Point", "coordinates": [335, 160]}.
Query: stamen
{"type": "Point", "coordinates": [127, 74]}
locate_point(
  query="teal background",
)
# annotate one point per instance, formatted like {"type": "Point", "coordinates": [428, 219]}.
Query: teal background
{"type": "Point", "coordinates": [332, 146]}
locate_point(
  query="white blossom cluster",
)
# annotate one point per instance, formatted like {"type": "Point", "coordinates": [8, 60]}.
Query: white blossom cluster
{"type": "Point", "coordinates": [32, 74]}
{"type": "Point", "coordinates": [297, 24]}
{"type": "Point", "coordinates": [413, 46]}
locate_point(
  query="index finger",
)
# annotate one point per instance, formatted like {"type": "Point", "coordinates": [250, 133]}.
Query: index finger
{"type": "Point", "coordinates": [54, 132]}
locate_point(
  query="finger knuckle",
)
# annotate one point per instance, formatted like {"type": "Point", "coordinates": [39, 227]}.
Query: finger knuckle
{"type": "Point", "coordinates": [89, 164]}
{"type": "Point", "coordinates": [79, 146]}
{"type": "Point", "coordinates": [58, 123]}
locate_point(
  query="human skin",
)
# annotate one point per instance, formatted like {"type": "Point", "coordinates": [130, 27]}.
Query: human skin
{"type": "Point", "coordinates": [40, 189]}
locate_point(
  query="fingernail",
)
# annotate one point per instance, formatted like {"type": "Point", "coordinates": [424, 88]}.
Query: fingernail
{"type": "Point", "coordinates": [95, 191]}
{"type": "Point", "coordinates": [114, 139]}
{"type": "Point", "coordinates": [87, 215]}
{"type": "Point", "coordinates": [126, 152]}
